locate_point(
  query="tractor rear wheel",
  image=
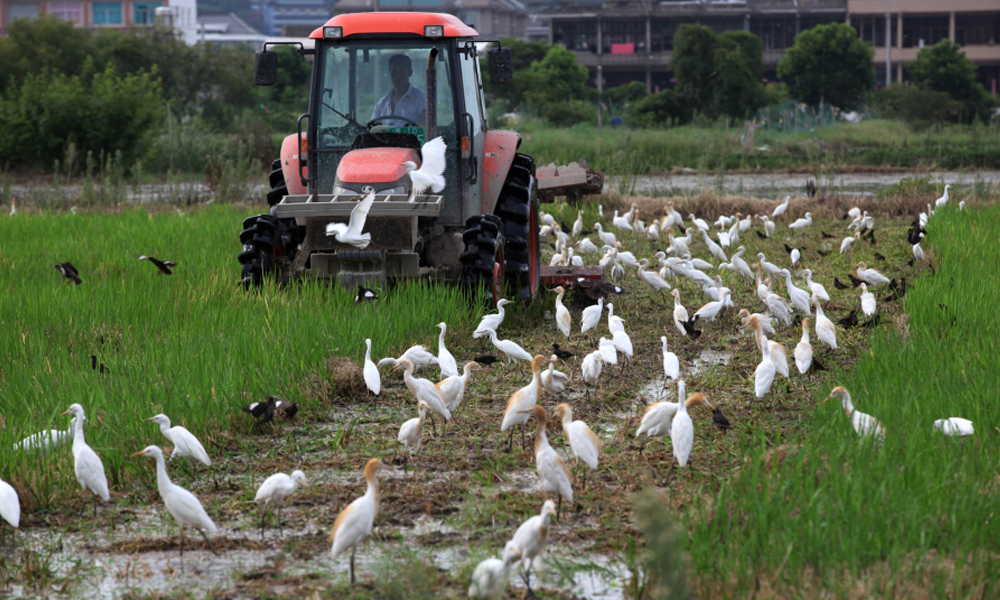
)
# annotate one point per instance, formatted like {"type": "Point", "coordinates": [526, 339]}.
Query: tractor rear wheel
{"type": "Point", "coordinates": [483, 258]}
{"type": "Point", "coordinates": [517, 208]}
{"type": "Point", "coordinates": [269, 243]}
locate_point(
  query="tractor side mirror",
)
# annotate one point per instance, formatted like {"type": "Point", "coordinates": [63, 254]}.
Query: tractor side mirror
{"type": "Point", "coordinates": [500, 65]}
{"type": "Point", "coordinates": [265, 67]}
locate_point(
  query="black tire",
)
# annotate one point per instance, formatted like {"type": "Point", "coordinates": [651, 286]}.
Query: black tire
{"type": "Point", "coordinates": [269, 243]}
{"type": "Point", "coordinates": [483, 258]}
{"type": "Point", "coordinates": [517, 208]}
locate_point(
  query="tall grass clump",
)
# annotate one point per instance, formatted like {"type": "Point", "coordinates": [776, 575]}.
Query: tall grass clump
{"type": "Point", "coordinates": [193, 345]}
{"type": "Point", "coordinates": [829, 507]}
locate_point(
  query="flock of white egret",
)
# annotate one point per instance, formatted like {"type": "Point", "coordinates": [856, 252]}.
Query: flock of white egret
{"type": "Point", "coordinates": [524, 406]}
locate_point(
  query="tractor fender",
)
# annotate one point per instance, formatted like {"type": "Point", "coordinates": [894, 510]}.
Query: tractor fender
{"type": "Point", "coordinates": [290, 164]}
{"type": "Point", "coordinates": [499, 148]}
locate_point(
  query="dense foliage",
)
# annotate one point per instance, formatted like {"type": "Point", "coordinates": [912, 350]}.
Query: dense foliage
{"type": "Point", "coordinates": [944, 68]}
{"type": "Point", "coordinates": [829, 63]}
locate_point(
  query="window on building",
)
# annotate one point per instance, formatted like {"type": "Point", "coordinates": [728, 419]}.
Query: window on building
{"type": "Point", "coordinates": [624, 32]}
{"type": "Point", "coordinates": [775, 33]}
{"type": "Point", "coordinates": [107, 13]}
{"type": "Point", "coordinates": [579, 36]}
{"type": "Point", "coordinates": [67, 11]}
{"type": "Point", "coordinates": [663, 32]}
{"type": "Point", "coordinates": [145, 12]}
{"type": "Point", "coordinates": [977, 30]}
{"type": "Point", "coordinates": [723, 25]}
{"type": "Point", "coordinates": [22, 10]}
{"type": "Point", "coordinates": [870, 29]}
{"type": "Point", "coordinates": [394, 2]}
{"type": "Point", "coordinates": [924, 31]}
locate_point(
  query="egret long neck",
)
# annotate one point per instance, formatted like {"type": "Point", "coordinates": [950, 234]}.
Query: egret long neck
{"type": "Point", "coordinates": [78, 439]}
{"type": "Point", "coordinates": [541, 440]}
{"type": "Point", "coordinates": [163, 482]}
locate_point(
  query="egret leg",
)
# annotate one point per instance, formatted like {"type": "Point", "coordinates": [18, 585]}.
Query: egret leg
{"type": "Point", "coordinates": [559, 507]}
{"type": "Point", "coordinates": [84, 507]}
{"type": "Point", "coordinates": [405, 460]}
{"type": "Point", "coordinates": [522, 435]}
{"type": "Point", "coordinates": [281, 531]}
{"type": "Point", "coordinates": [209, 542]}
{"type": "Point", "coordinates": [642, 446]}
{"type": "Point", "coordinates": [433, 426]}
{"type": "Point", "coordinates": [510, 441]}
{"type": "Point", "coordinates": [263, 515]}
{"type": "Point", "coordinates": [182, 541]}
{"type": "Point", "coordinates": [352, 565]}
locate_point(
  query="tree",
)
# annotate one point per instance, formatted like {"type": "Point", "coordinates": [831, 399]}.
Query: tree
{"type": "Point", "coordinates": [693, 62]}
{"type": "Point", "coordinates": [662, 108]}
{"type": "Point", "coordinates": [943, 67]}
{"type": "Point", "coordinates": [555, 79]}
{"type": "Point", "coordinates": [828, 63]}
{"type": "Point", "coordinates": [523, 55]}
{"type": "Point", "coordinates": [719, 75]}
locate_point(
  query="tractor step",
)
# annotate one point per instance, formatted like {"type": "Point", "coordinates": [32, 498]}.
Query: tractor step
{"type": "Point", "coordinates": [552, 276]}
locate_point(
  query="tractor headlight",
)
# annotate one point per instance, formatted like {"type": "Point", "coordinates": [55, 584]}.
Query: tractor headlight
{"type": "Point", "coordinates": [399, 189]}
{"type": "Point", "coordinates": [333, 33]}
{"type": "Point", "coordinates": [339, 190]}
{"type": "Point", "coordinates": [433, 31]}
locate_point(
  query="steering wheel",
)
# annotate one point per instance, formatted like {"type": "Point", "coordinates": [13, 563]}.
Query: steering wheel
{"type": "Point", "coordinates": [400, 117]}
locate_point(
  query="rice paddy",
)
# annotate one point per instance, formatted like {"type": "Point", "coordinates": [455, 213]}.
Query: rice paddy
{"type": "Point", "coordinates": [790, 504]}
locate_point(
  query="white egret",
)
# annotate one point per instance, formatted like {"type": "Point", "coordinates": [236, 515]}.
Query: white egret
{"type": "Point", "coordinates": [609, 354]}
{"type": "Point", "coordinates": [961, 205]}
{"type": "Point", "coordinates": [734, 233]}
{"type": "Point", "coordinates": [446, 362]}
{"type": "Point", "coordinates": [584, 443]}
{"type": "Point", "coordinates": [181, 504]}
{"type": "Point", "coordinates": [185, 443]}
{"type": "Point", "coordinates": [798, 296]}
{"type": "Point", "coordinates": [491, 321]}
{"type": "Point", "coordinates": [723, 221]}
{"type": "Point", "coordinates": [522, 400]}
{"type": "Point", "coordinates": [943, 199]}
{"type": "Point", "coordinates": [711, 310]}
{"type": "Point", "coordinates": [682, 434]}
{"type": "Point", "coordinates": [653, 232]}
{"type": "Point", "coordinates": [804, 351]}
{"type": "Point", "coordinates": [651, 278]}
{"type": "Point", "coordinates": [355, 522]}
{"type": "Point", "coordinates": [431, 171]}
{"type": "Point", "coordinates": [88, 466]}
{"type": "Point", "coordinates": [763, 375]}
{"type": "Point", "coordinates": [531, 537]}
{"type": "Point", "coordinates": [781, 208]}
{"type": "Point", "coordinates": [871, 276]}
{"type": "Point", "coordinates": [746, 223]}
{"type": "Point", "coordinates": [10, 505]}
{"type": "Point", "coordinates": [764, 321]}
{"type": "Point", "coordinates": [607, 237]}
{"type": "Point", "coordinates": [45, 441]}
{"type": "Point", "coordinates": [578, 224]}
{"type": "Point", "coordinates": [621, 222]}
{"type": "Point", "coordinates": [816, 288]}
{"type": "Point", "coordinates": [509, 348]}
{"type": "Point", "coordinates": [771, 268]}
{"type": "Point", "coordinates": [490, 578]}
{"type": "Point", "coordinates": [591, 316]}
{"type": "Point", "coordinates": [954, 427]}
{"type": "Point", "coordinates": [847, 244]}
{"type": "Point", "coordinates": [864, 425]}
{"type": "Point", "coordinates": [778, 353]}
{"type": "Point", "coordinates": [658, 416]}
{"type": "Point", "coordinates": [768, 225]}
{"type": "Point", "coordinates": [918, 252]}
{"type": "Point", "coordinates": [615, 323]}
{"type": "Point", "coordinates": [671, 366]}
{"type": "Point", "coordinates": [623, 344]}
{"type": "Point", "coordinates": [585, 246]}
{"type": "Point", "coordinates": [563, 320]}
{"type": "Point", "coordinates": [825, 330]}
{"type": "Point", "coordinates": [591, 369]}
{"type": "Point", "coordinates": [411, 433]}
{"type": "Point", "coordinates": [350, 233]}
{"type": "Point", "coordinates": [680, 313]}
{"type": "Point", "coordinates": [867, 301]}
{"type": "Point", "coordinates": [373, 381]}
{"type": "Point", "coordinates": [795, 255]}
{"type": "Point", "coordinates": [714, 248]}
{"type": "Point", "coordinates": [418, 355]}
{"type": "Point", "coordinates": [777, 305]}
{"type": "Point", "coordinates": [275, 490]}
{"type": "Point", "coordinates": [554, 381]}
{"type": "Point", "coordinates": [552, 469]}
{"type": "Point", "coordinates": [740, 265]}
{"type": "Point", "coordinates": [802, 223]}
{"type": "Point", "coordinates": [452, 389]}
{"type": "Point", "coordinates": [423, 389]}
{"type": "Point", "coordinates": [699, 223]}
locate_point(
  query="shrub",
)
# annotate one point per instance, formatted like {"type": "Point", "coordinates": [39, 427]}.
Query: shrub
{"type": "Point", "coordinates": [915, 104]}
{"type": "Point", "coordinates": [660, 109]}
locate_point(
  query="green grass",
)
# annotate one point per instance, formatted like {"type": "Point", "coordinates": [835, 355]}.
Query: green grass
{"type": "Point", "coordinates": [193, 345]}
{"type": "Point", "coordinates": [838, 504]}
{"type": "Point", "coordinates": [871, 143]}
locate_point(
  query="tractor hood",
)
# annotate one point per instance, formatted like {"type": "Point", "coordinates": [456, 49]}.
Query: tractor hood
{"type": "Point", "coordinates": [375, 165]}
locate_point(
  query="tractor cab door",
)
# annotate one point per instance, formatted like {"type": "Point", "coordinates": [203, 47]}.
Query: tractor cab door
{"type": "Point", "coordinates": [357, 105]}
{"type": "Point", "coordinates": [473, 123]}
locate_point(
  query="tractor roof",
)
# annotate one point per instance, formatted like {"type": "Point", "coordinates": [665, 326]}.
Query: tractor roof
{"type": "Point", "coordinates": [387, 23]}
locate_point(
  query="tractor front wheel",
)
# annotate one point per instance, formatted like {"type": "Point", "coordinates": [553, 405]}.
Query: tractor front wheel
{"type": "Point", "coordinates": [483, 260]}
{"type": "Point", "coordinates": [517, 208]}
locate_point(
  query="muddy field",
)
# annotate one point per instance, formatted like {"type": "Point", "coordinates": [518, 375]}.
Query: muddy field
{"type": "Point", "coordinates": [466, 492]}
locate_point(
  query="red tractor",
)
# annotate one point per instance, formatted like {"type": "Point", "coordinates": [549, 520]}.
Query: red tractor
{"type": "Point", "coordinates": [382, 85]}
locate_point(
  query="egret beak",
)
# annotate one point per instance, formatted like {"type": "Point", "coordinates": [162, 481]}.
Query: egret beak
{"type": "Point", "coordinates": [139, 453]}
{"type": "Point", "coordinates": [824, 402]}
{"type": "Point", "coordinates": [64, 414]}
{"type": "Point", "coordinates": [150, 419]}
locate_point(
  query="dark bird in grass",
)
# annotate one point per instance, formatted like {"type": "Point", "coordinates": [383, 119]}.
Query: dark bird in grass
{"type": "Point", "coordinates": [826, 235]}
{"type": "Point", "coordinates": [69, 272]}
{"type": "Point", "coordinates": [816, 365]}
{"type": "Point", "coordinates": [598, 289]}
{"type": "Point", "coordinates": [720, 421]}
{"type": "Point", "coordinates": [560, 353]}
{"type": "Point", "coordinates": [689, 328]}
{"type": "Point", "coordinates": [822, 253]}
{"type": "Point", "coordinates": [162, 265]}
{"type": "Point", "coordinates": [486, 359]}
{"type": "Point", "coordinates": [262, 411]}
{"type": "Point", "coordinates": [872, 323]}
{"type": "Point", "coordinates": [788, 249]}
{"type": "Point", "coordinates": [286, 410]}
{"type": "Point", "coordinates": [760, 235]}
{"type": "Point", "coordinates": [95, 365]}
{"type": "Point", "coordinates": [682, 229]}
{"type": "Point", "coordinates": [915, 234]}
{"type": "Point", "coordinates": [365, 295]}
{"type": "Point", "coordinates": [878, 256]}
{"type": "Point", "coordinates": [811, 188]}
{"type": "Point", "coordinates": [840, 286]}
{"type": "Point", "coordinates": [871, 237]}
{"type": "Point", "coordinates": [854, 280]}
{"type": "Point", "coordinates": [850, 321]}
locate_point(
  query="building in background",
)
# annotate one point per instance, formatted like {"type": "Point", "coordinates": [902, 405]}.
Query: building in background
{"type": "Point", "coordinates": [227, 29]}
{"type": "Point", "coordinates": [295, 18]}
{"type": "Point", "coordinates": [491, 18]}
{"type": "Point", "coordinates": [626, 41]}
{"type": "Point", "coordinates": [898, 29]}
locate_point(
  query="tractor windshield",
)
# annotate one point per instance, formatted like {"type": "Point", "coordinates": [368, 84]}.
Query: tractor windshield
{"type": "Point", "coordinates": [376, 87]}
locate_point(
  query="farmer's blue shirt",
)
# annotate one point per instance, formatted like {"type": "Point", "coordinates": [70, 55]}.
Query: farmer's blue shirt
{"type": "Point", "coordinates": [412, 106]}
